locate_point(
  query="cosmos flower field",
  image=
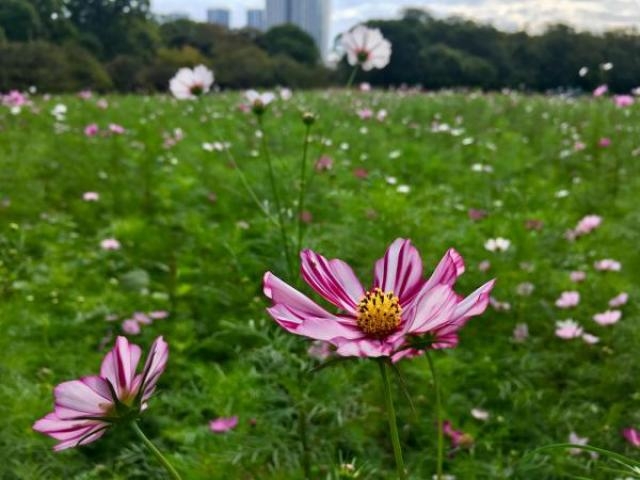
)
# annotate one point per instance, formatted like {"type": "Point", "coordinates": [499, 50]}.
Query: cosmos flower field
{"type": "Point", "coordinates": [132, 216]}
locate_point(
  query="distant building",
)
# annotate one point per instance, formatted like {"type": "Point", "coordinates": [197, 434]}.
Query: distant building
{"type": "Point", "coordinates": [312, 16]}
{"type": "Point", "coordinates": [256, 19]}
{"type": "Point", "coordinates": [219, 16]}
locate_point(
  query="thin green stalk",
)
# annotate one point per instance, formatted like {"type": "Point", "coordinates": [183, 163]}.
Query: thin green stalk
{"type": "Point", "coordinates": [165, 463]}
{"type": "Point", "coordinates": [276, 198]}
{"type": "Point", "coordinates": [436, 386]}
{"type": "Point", "coordinates": [391, 416]}
{"type": "Point", "coordinates": [352, 77]}
{"type": "Point", "coordinates": [303, 169]}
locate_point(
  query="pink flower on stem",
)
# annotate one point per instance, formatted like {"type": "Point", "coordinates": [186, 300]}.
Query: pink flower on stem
{"type": "Point", "coordinates": [623, 101]}
{"type": "Point", "coordinates": [607, 264]}
{"type": "Point", "coordinates": [110, 244]}
{"type": "Point", "coordinates": [223, 424]}
{"type": "Point", "coordinates": [365, 113]}
{"type": "Point", "coordinates": [619, 300]}
{"type": "Point", "coordinates": [86, 408]}
{"type": "Point", "coordinates": [568, 300]}
{"type": "Point", "coordinates": [324, 163]}
{"type": "Point", "coordinates": [632, 436]}
{"type": "Point", "coordinates": [600, 91]}
{"type": "Point", "coordinates": [577, 276]}
{"type": "Point", "coordinates": [131, 327]}
{"type": "Point", "coordinates": [587, 224]}
{"type": "Point", "coordinates": [607, 318]}
{"type": "Point", "coordinates": [386, 320]}
{"type": "Point", "coordinates": [116, 129]}
{"type": "Point", "coordinates": [91, 130]}
{"type": "Point", "coordinates": [458, 437]}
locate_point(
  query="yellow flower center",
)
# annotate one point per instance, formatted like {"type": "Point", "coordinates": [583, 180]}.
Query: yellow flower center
{"type": "Point", "coordinates": [379, 313]}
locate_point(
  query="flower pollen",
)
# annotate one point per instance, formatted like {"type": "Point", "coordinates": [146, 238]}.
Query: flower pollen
{"type": "Point", "coordinates": [379, 313]}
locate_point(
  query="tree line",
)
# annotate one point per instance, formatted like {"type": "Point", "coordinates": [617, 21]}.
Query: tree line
{"type": "Point", "coordinates": [68, 45]}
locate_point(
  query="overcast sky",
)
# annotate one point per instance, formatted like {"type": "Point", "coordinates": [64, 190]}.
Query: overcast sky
{"type": "Point", "coordinates": [505, 14]}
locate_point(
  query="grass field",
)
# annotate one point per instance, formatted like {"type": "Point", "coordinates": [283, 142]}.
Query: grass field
{"type": "Point", "coordinates": [194, 244]}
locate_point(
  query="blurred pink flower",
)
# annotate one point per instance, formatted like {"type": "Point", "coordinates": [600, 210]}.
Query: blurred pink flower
{"type": "Point", "coordinates": [623, 101]}
{"type": "Point", "coordinates": [110, 244]}
{"type": "Point", "coordinates": [91, 196]}
{"type": "Point", "coordinates": [102, 104]}
{"type": "Point", "coordinates": [590, 339]}
{"type": "Point", "coordinates": [476, 214]}
{"type": "Point", "coordinates": [223, 424]}
{"type": "Point", "coordinates": [579, 146]}
{"type": "Point", "coordinates": [568, 300]}
{"type": "Point", "coordinates": [306, 216]}
{"type": "Point", "coordinates": [604, 142]}
{"type": "Point", "coordinates": [14, 99]}
{"type": "Point", "coordinates": [458, 437]}
{"type": "Point", "coordinates": [366, 47]}
{"type": "Point", "coordinates": [361, 173]}
{"type": "Point", "coordinates": [484, 266]}
{"type": "Point", "coordinates": [619, 300]}
{"type": "Point", "coordinates": [381, 321]}
{"type": "Point", "coordinates": [632, 436]}
{"type": "Point", "coordinates": [190, 83]}
{"type": "Point", "coordinates": [577, 276]}
{"type": "Point", "coordinates": [91, 130]}
{"type": "Point", "coordinates": [365, 113]}
{"type": "Point", "coordinates": [365, 87]}
{"type": "Point", "coordinates": [499, 306]}
{"type": "Point", "coordinates": [600, 91]}
{"type": "Point", "coordinates": [607, 264]}
{"type": "Point", "coordinates": [116, 129]}
{"type": "Point", "coordinates": [131, 327]}
{"type": "Point", "coordinates": [86, 408]}
{"type": "Point", "coordinates": [320, 350]}
{"type": "Point", "coordinates": [587, 224]}
{"type": "Point", "coordinates": [159, 314]}
{"type": "Point", "coordinates": [324, 163]}
{"type": "Point", "coordinates": [575, 439]}
{"type": "Point", "coordinates": [85, 94]}
{"type": "Point", "coordinates": [521, 333]}
{"type": "Point", "coordinates": [142, 318]}
{"type": "Point", "coordinates": [568, 329]}
{"type": "Point", "coordinates": [607, 318]}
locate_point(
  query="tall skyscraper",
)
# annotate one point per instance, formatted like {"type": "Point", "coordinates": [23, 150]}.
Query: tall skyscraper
{"type": "Point", "coordinates": [312, 16]}
{"type": "Point", "coordinates": [219, 16]}
{"type": "Point", "coordinates": [256, 19]}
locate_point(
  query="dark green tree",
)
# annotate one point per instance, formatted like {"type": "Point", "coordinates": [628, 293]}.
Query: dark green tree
{"type": "Point", "coordinates": [291, 41]}
{"type": "Point", "coordinates": [19, 20]}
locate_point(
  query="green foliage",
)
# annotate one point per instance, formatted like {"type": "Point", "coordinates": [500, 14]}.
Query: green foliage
{"type": "Point", "coordinates": [290, 40]}
{"type": "Point", "coordinates": [19, 20]}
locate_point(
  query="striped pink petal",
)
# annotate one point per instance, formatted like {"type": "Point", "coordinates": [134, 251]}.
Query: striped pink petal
{"type": "Point", "coordinates": [89, 396]}
{"type": "Point", "coordinates": [432, 310]}
{"type": "Point", "coordinates": [333, 279]}
{"type": "Point", "coordinates": [400, 270]}
{"type": "Point", "coordinates": [119, 366]}
{"type": "Point", "coordinates": [154, 367]}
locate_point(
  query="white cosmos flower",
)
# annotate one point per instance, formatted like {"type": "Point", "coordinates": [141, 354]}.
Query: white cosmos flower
{"type": "Point", "coordinates": [366, 47]}
{"type": "Point", "coordinates": [259, 100]}
{"type": "Point", "coordinates": [188, 83]}
{"type": "Point", "coordinates": [497, 244]}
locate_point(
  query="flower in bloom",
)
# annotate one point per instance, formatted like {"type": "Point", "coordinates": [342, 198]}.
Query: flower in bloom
{"type": "Point", "coordinates": [14, 99]}
{"type": "Point", "coordinates": [91, 130]}
{"type": "Point", "coordinates": [607, 318]}
{"type": "Point", "coordinates": [458, 437]}
{"type": "Point", "coordinates": [484, 266]}
{"type": "Point", "coordinates": [286, 94]}
{"type": "Point", "coordinates": [632, 436]}
{"type": "Point", "coordinates": [604, 142]}
{"type": "Point", "coordinates": [590, 339]}
{"type": "Point", "coordinates": [497, 244]}
{"type": "Point", "coordinates": [159, 314]}
{"type": "Point", "coordinates": [607, 264]}
{"type": "Point", "coordinates": [110, 244]}
{"type": "Point", "coordinates": [223, 424]}
{"type": "Point", "coordinates": [476, 214]}
{"type": "Point", "coordinates": [91, 196]}
{"type": "Point", "coordinates": [568, 300]}
{"type": "Point", "coordinates": [521, 333]}
{"type": "Point", "coordinates": [381, 321]}
{"type": "Point", "coordinates": [366, 47]}
{"type": "Point", "coordinates": [259, 101]}
{"type": "Point", "coordinates": [480, 414]}
{"type": "Point", "coordinates": [568, 329]}
{"type": "Point", "coordinates": [323, 163]}
{"type": "Point", "coordinates": [623, 101]}
{"type": "Point", "coordinates": [86, 408]}
{"type": "Point", "coordinates": [116, 129]}
{"type": "Point", "coordinates": [600, 90]}
{"type": "Point", "coordinates": [619, 300]}
{"type": "Point", "coordinates": [131, 327]}
{"type": "Point", "coordinates": [587, 224]}
{"type": "Point", "coordinates": [188, 84]}
{"type": "Point", "coordinates": [577, 276]}
{"type": "Point", "coordinates": [320, 350]}
{"type": "Point", "coordinates": [365, 87]}
{"type": "Point", "coordinates": [575, 439]}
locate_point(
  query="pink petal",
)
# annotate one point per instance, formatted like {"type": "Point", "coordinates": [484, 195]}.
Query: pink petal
{"type": "Point", "coordinates": [432, 310]}
{"type": "Point", "coordinates": [400, 270]}
{"type": "Point", "coordinates": [364, 348]}
{"type": "Point", "coordinates": [119, 366]}
{"type": "Point", "coordinates": [448, 270]}
{"type": "Point", "coordinates": [329, 328]}
{"type": "Point", "coordinates": [223, 424]}
{"type": "Point", "coordinates": [333, 279]}
{"type": "Point", "coordinates": [78, 397]}
{"type": "Point", "coordinates": [153, 368]}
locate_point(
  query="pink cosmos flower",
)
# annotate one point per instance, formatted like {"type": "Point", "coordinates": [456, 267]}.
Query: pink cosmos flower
{"type": "Point", "coordinates": [14, 99]}
{"type": "Point", "coordinates": [607, 264]}
{"type": "Point", "coordinates": [131, 327]}
{"type": "Point", "coordinates": [575, 439]}
{"type": "Point", "coordinates": [484, 266]}
{"type": "Point", "coordinates": [188, 84]}
{"type": "Point", "coordinates": [110, 244]}
{"type": "Point", "coordinates": [102, 104]}
{"type": "Point", "coordinates": [324, 163]}
{"type": "Point", "coordinates": [365, 113]}
{"type": "Point", "coordinates": [91, 196]}
{"type": "Point", "coordinates": [85, 94]}
{"type": "Point", "coordinates": [91, 130]}
{"type": "Point", "coordinates": [619, 300]}
{"type": "Point", "coordinates": [607, 318]}
{"type": "Point", "coordinates": [476, 214]}
{"type": "Point", "coordinates": [366, 47]}
{"type": "Point", "coordinates": [587, 224]}
{"type": "Point", "coordinates": [142, 318]}
{"type": "Point", "coordinates": [380, 321]}
{"type": "Point", "coordinates": [568, 329]}
{"type": "Point", "coordinates": [590, 339]}
{"type": "Point", "coordinates": [458, 437]}
{"type": "Point", "coordinates": [604, 142]}
{"type": "Point", "coordinates": [579, 146]}
{"type": "Point", "coordinates": [116, 129]}
{"type": "Point", "coordinates": [86, 408]}
{"type": "Point", "coordinates": [223, 424]}
{"type": "Point", "coordinates": [600, 91]}
{"type": "Point", "coordinates": [521, 333]}
{"type": "Point", "coordinates": [568, 300]}
{"type": "Point", "coordinates": [623, 101]}
{"type": "Point", "coordinates": [365, 87]}
{"type": "Point", "coordinates": [320, 350]}
{"type": "Point", "coordinates": [159, 314]}
{"type": "Point", "coordinates": [259, 101]}
{"type": "Point", "coordinates": [632, 436]}
{"type": "Point", "coordinates": [577, 276]}
{"type": "Point", "coordinates": [361, 173]}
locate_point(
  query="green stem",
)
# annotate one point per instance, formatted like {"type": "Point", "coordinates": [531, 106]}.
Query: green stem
{"type": "Point", "coordinates": [303, 169]}
{"type": "Point", "coordinates": [352, 77]}
{"type": "Point", "coordinates": [276, 198]}
{"type": "Point", "coordinates": [436, 386]}
{"type": "Point", "coordinates": [165, 463]}
{"type": "Point", "coordinates": [391, 416]}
